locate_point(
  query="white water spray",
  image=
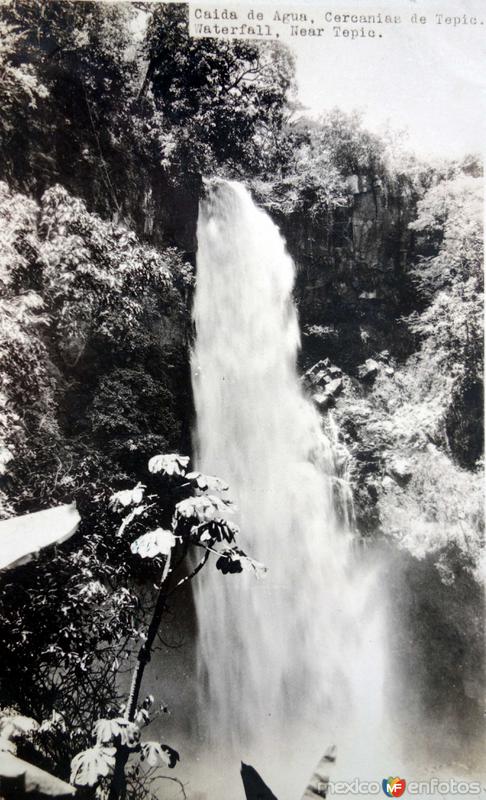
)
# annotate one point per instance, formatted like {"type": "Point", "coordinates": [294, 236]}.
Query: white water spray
{"type": "Point", "coordinates": [295, 662]}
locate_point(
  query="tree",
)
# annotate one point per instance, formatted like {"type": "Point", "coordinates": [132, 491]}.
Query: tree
{"type": "Point", "coordinates": [450, 280]}
{"type": "Point", "coordinates": [93, 342]}
{"type": "Point", "coordinates": [71, 63]}
{"type": "Point", "coordinates": [199, 522]}
{"type": "Point", "coordinates": [72, 638]}
{"type": "Point", "coordinates": [126, 94]}
{"type": "Point", "coordinates": [318, 158]}
{"type": "Point", "coordinates": [213, 102]}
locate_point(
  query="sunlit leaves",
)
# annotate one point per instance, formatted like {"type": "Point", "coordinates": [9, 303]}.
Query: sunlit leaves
{"type": "Point", "coordinates": [127, 497]}
{"type": "Point", "coordinates": [142, 717]}
{"type": "Point", "coordinates": [55, 724]}
{"type": "Point", "coordinates": [156, 543]}
{"type": "Point", "coordinates": [90, 765]}
{"type": "Point", "coordinates": [156, 754]}
{"type": "Point", "coordinates": [170, 464]}
{"type": "Point", "coordinates": [450, 215]}
{"type": "Point", "coordinates": [119, 731]}
{"type": "Point", "coordinates": [204, 508]}
{"type": "Point", "coordinates": [17, 726]}
{"type": "Point", "coordinates": [207, 482]}
{"type": "Point", "coordinates": [93, 591]}
{"type": "Point", "coordinates": [450, 279]}
{"type": "Point", "coordinates": [105, 730]}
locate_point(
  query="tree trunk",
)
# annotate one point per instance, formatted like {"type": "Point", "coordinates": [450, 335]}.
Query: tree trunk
{"type": "Point", "coordinates": [119, 783]}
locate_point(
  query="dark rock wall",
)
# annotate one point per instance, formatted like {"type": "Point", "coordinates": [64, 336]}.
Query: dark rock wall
{"type": "Point", "coordinates": [352, 278]}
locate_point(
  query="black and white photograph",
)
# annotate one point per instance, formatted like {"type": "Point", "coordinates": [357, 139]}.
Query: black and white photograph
{"type": "Point", "coordinates": [241, 400]}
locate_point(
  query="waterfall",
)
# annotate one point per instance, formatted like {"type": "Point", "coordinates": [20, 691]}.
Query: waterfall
{"type": "Point", "coordinates": [295, 662]}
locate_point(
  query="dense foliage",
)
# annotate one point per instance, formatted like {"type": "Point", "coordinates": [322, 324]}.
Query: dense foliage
{"type": "Point", "coordinates": [93, 347]}
{"type": "Point", "coordinates": [122, 94]}
{"type": "Point", "coordinates": [450, 216]}
{"type": "Point", "coordinates": [69, 74]}
{"type": "Point", "coordinates": [208, 102]}
{"type": "Point", "coordinates": [325, 161]}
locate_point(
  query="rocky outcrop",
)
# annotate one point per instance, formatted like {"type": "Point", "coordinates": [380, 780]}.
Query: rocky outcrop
{"type": "Point", "coordinates": [325, 382]}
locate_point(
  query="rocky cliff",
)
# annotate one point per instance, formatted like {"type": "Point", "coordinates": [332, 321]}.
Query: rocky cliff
{"type": "Point", "coordinates": [352, 283]}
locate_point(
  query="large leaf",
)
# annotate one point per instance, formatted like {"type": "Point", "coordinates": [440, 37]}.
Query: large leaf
{"type": "Point", "coordinates": [156, 543]}
{"type": "Point", "coordinates": [204, 508]}
{"type": "Point", "coordinates": [55, 723]}
{"type": "Point", "coordinates": [155, 753]}
{"type": "Point", "coordinates": [170, 464]}
{"type": "Point", "coordinates": [129, 733]}
{"type": "Point", "coordinates": [207, 482]}
{"type": "Point", "coordinates": [234, 560]}
{"type": "Point", "coordinates": [90, 765]}
{"type": "Point", "coordinates": [119, 731]}
{"type": "Point", "coordinates": [218, 530]}
{"type": "Point", "coordinates": [127, 497]}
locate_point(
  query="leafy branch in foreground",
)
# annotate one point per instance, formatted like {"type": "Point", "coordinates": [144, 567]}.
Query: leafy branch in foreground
{"type": "Point", "coordinates": [199, 525]}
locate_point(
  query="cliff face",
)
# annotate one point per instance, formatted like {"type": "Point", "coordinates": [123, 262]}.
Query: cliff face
{"type": "Point", "coordinates": [163, 208]}
{"type": "Point", "coordinates": [352, 284]}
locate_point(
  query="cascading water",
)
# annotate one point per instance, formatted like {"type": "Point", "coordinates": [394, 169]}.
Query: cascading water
{"type": "Point", "coordinates": [294, 662]}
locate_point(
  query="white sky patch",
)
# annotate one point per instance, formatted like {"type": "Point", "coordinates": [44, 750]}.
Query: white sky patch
{"type": "Point", "coordinates": [428, 79]}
